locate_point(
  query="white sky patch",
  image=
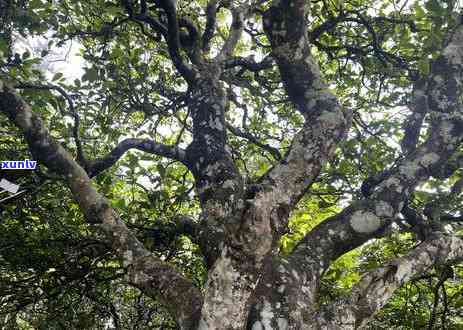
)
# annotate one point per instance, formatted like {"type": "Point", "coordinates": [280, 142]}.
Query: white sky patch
{"type": "Point", "coordinates": [65, 59]}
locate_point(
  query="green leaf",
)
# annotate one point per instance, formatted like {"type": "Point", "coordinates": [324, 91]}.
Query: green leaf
{"type": "Point", "coordinates": [161, 170]}
{"type": "Point", "coordinates": [57, 76]}
{"type": "Point", "coordinates": [423, 66]}
{"type": "Point", "coordinates": [419, 12]}
{"type": "Point", "coordinates": [113, 10]}
{"type": "Point", "coordinates": [26, 55]}
{"type": "Point", "coordinates": [435, 7]}
{"type": "Point", "coordinates": [3, 45]}
{"type": "Point", "coordinates": [90, 75]}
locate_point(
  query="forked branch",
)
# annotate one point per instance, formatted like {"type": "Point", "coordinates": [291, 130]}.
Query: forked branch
{"type": "Point", "coordinates": [155, 277]}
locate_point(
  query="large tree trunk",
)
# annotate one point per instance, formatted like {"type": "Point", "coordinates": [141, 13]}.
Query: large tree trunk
{"type": "Point", "coordinates": [250, 284]}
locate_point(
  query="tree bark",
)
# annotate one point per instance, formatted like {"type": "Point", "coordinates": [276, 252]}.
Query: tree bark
{"type": "Point", "coordinates": [250, 284]}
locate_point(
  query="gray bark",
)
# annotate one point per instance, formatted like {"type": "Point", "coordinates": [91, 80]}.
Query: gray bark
{"type": "Point", "coordinates": [250, 285]}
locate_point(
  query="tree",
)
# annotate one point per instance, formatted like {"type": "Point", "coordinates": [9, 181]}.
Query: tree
{"type": "Point", "coordinates": [278, 137]}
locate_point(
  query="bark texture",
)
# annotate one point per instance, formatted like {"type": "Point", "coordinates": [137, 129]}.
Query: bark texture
{"type": "Point", "coordinates": [250, 284]}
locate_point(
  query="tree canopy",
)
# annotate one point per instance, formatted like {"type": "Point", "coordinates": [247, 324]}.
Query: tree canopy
{"type": "Point", "coordinates": [232, 164]}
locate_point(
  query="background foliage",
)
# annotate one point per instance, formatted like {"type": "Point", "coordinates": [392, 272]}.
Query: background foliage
{"type": "Point", "coordinates": [55, 274]}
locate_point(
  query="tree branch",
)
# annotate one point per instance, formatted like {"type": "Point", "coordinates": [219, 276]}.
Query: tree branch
{"type": "Point", "coordinates": [171, 33]}
{"type": "Point", "coordinates": [396, 186]}
{"type": "Point", "coordinates": [249, 64]}
{"type": "Point", "coordinates": [173, 41]}
{"type": "Point", "coordinates": [234, 35]}
{"type": "Point", "coordinates": [412, 125]}
{"type": "Point", "coordinates": [366, 219]}
{"type": "Point", "coordinates": [369, 218]}
{"type": "Point", "coordinates": [99, 165]}
{"type": "Point", "coordinates": [237, 132]}
{"type": "Point", "coordinates": [211, 19]}
{"type": "Point", "coordinates": [378, 286]}
{"type": "Point", "coordinates": [155, 277]}
{"type": "Point", "coordinates": [75, 131]}
{"type": "Point", "coordinates": [325, 125]}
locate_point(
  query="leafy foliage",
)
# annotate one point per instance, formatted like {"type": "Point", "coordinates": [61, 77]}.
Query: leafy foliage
{"type": "Point", "coordinates": [56, 273]}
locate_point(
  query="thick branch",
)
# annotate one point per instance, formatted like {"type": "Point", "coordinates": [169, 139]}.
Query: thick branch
{"type": "Point", "coordinates": [441, 144]}
{"type": "Point", "coordinates": [99, 165]}
{"type": "Point", "coordinates": [173, 41]}
{"type": "Point", "coordinates": [378, 286]}
{"type": "Point", "coordinates": [236, 29]}
{"type": "Point", "coordinates": [75, 131]}
{"type": "Point", "coordinates": [412, 125]}
{"type": "Point", "coordinates": [211, 19]}
{"type": "Point", "coordinates": [365, 219]}
{"type": "Point", "coordinates": [326, 124]}
{"type": "Point", "coordinates": [155, 277]}
{"type": "Point", "coordinates": [368, 218]}
{"type": "Point", "coordinates": [171, 33]}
